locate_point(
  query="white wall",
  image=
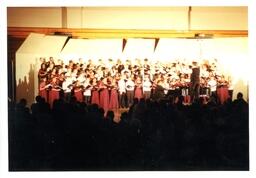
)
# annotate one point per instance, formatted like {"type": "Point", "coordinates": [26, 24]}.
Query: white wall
{"type": "Point", "coordinates": [219, 18]}
{"type": "Point", "coordinates": [173, 18]}
{"type": "Point", "coordinates": [74, 17]}
{"type": "Point", "coordinates": [136, 18]}
{"type": "Point", "coordinates": [34, 17]}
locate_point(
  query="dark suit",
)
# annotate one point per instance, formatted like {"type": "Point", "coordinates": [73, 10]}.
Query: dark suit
{"type": "Point", "coordinates": [159, 93]}
{"type": "Point", "coordinates": [195, 83]}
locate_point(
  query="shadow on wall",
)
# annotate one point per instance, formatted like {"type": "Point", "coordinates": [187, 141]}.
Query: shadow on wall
{"type": "Point", "coordinates": [25, 88]}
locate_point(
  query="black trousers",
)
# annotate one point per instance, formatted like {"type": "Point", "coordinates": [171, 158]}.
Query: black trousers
{"type": "Point", "coordinates": [87, 99]}
{"type": "Point", "coordinates": [147, 94]}
{"type": "Point", "coordinates": [122, 100]}
{"type": "Point", "coordinates": [130, 96]}
{"type": "Point", "coordinates": [195, 91]}
{"type": "Point", "coordinates": [67, 96]}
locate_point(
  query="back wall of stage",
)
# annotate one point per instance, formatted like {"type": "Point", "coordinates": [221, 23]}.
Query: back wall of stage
{"type": "Point", "coordinates": [124, 24]}
{"type": "Point", "coordinates": [231, 54]}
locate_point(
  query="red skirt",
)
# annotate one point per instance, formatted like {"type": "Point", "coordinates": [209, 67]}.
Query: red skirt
{"type": "Point", "coordinates": [53, 95]}
{"type": "Point", "coordinates": [104, 99]}
{"type": "Point", "coordinates": [222, 94]}
{"type": "Point", "coordinates": [113, 103]}
{"type": "Point", "coordinates": [138, 93]}
{"type": "Point", "coordinates": [79, 95]}
{"type": "Point", "coordinates": [95, 97]}
{"type": "Point", "coordinates": [43, 94]}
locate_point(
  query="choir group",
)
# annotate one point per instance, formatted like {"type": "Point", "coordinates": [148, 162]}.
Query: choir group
{"type": "Point", "coordinates": [115, 84]}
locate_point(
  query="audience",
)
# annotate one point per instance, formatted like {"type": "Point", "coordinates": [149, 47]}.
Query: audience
{"type": "Point", "coordinates": [151, 135]}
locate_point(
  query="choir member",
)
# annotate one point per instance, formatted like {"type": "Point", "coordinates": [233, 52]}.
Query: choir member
{"type": "Point", "coordinates": [212, 83]}
{"type": "Point", "coordinates": [119, 66]}
{"type": "Point", "coordinates": [186, 86]}
{"type": "Point", "coordinates": [54, 73]}
{"type": "Point", "coordinates": [195, 81]}
{"type": "Point", "coordinates": [54, 93]}
{"type": "Point", "coordinates": [222, 89]}
{"type": "Point", "coordinates": [165, 85]}
{"type": "Point", "coordinates": [104, 94]}
{"type": "Point", "coordinates": [159, 93]}
{"type": "Point", "coordinates": [81, 77]}
{"type": "Point", "coordinates": [129, 85]}
{"type": "Point", "coordinates": [67, 87]}
{"type": "Point", "coordinates": [184, 90]}
{"type": "Point", "coordinates": [78, 91]}
{"type": "Point", "coordinates": [147, 87]}
{"type": "Point", "coordinates": [42, 73]}
{"type": "Point", "coordinates": [95, 92]}
{"type": "Point", "coordinates": [172, 86]}
{"type": "Point", "coordinates": [87, 90]}
{"type": "Point", "coordinates": [122, 92]}
{"type": "Point", "coordinates": [204, 90]}
{"type": "Point", "coordinates": [138, 88]}
{"type": "Point", "coordinates": [43, 86]}
{"type": "Point", "coordinates": [230, 87]}
{"type": "Point", "coordinates": [113, 103]}
{"type": "Point", "coordinates": [61, 77]}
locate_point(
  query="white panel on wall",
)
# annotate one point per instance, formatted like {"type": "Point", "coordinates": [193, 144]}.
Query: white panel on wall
{"type": "Point", "coordinates": [51, 45]}
{"type": "Point", "coordinates": [139, 48]}
{"type": "Point", "coordinates": [92, 49]}
{"type": "Point", "coordinates": [31, 42]}
{"type": "Point", "coordinates": [136, 17]}
{"type": "Point", "coordinates": [219, 18]}
{"type": "Point", "coordinates": [34, 17]}
{"type": "Point", "coordinates": [177, 49]}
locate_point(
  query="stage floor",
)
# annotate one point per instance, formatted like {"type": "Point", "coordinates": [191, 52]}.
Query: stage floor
{"type": "Point", "coordinates": [118, 113]}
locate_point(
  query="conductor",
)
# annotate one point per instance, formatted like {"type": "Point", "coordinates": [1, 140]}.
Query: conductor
{"type": "Point", "coordinates": [195, 81]}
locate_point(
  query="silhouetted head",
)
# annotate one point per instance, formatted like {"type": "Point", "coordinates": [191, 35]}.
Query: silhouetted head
{"type": "Point", "coordinates": [38, 99]}
{"type": "Point", "coordinates": [110, 115]}
{"type": "Point", "coordinates": [23, 102]}
{"type": "Point", "coordinates": [101, 111]}
{"type": "Point", "coordinates": [239, 95]}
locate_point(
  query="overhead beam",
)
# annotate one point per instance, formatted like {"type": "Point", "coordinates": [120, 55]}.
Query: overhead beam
{"type": "Point", "coordinates": [23, 32]}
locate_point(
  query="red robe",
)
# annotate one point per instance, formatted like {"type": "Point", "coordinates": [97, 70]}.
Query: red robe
{"type": "Point", "coordinates": [113, 103]}
{"type": "Point", "coordinates": [43, 92]}
{"type": "Point", "coordinates": [54, 94]}
{"type": "Point", "coordinates": [222, 94]}
{"type": "Point", "coordinates": [95, 96]}
{"type": "Point", "coordinates": [138, 91]}
{"type": "Point", "coordinates": [104, 99]}
{"type": "Point", "coordinates": [78, 93]}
